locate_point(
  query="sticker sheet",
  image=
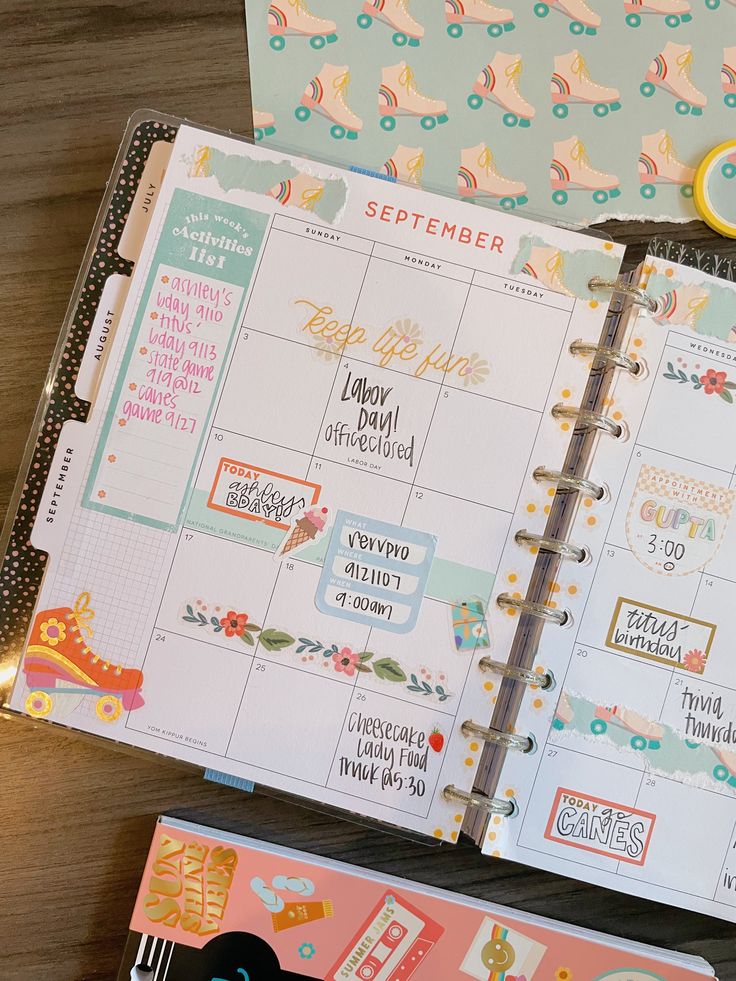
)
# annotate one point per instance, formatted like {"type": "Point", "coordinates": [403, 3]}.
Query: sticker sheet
{"type": "Point", "coordinates": [273, 543]}
{"type": "Point", "coordinates": [219, 907]}
{"type": "Point", "coordinates": [634, 782]}
{"type": "Point", "coordinates": [573, 109]}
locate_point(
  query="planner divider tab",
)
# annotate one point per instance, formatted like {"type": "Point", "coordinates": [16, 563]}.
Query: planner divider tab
{"type": "Point", "coordinates": [70, 386]}
{"type": "Point", "coordinates": [554, 546]}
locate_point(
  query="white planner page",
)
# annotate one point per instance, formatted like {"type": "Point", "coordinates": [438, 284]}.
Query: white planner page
{"type": "Point", "coordinates": [309, 449]}
{"type": "Point", "coordinates": [634, 782]}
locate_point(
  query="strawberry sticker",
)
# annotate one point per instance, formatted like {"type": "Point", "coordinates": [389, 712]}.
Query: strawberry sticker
{"type": "Point", "coordinates": [436, 740]}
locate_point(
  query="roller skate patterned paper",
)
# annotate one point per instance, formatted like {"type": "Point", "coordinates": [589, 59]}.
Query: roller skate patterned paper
{"type": "Point", "coordinates": [293, 535]}
{"type": "Point", "coordinates": [540, 86]}
{"type": "Point", "coordinates": [214, 906]}
{"type": "Point", "coordinates": [272, 544]}
{"type": "Point", "coordinates": [639, 737]}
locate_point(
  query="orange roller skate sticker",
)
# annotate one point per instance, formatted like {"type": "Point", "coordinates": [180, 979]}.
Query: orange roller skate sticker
{"type": "Point", "coordinates": [59, 661]}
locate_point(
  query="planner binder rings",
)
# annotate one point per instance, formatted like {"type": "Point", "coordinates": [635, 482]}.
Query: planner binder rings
{"type": "Point", "coordinates": [554, 547]}
{"type": "Point", "coordinates": [69, 399]}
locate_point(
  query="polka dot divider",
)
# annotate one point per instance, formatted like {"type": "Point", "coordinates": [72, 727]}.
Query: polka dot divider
{"type": "Point", "coordinates": [22, 565]}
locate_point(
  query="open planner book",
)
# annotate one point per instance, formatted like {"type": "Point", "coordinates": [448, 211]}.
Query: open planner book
{"type": "Point", "coordinates": [214, 906]}
{"type": "Point", "coordinates": [369, 496]}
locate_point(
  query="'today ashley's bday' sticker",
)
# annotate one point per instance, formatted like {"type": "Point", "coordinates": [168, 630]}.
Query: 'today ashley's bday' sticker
{"type": "Point", "coordinates": [675, 523]}
{"type": "Point", "coordinates": [256, 494]}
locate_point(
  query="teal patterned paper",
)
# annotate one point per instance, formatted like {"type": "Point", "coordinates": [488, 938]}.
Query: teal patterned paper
{"type": "Point", "coordinates": [567, 109]}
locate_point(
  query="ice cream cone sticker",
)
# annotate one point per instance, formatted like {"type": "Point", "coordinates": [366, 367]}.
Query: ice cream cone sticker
{"type": "Point", "coordinates": [305, 529]}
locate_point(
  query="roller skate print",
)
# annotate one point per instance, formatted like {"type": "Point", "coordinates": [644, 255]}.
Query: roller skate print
{"type": "Point", "coordinates": [670, 71]}
{"type": "Point", "coordinates": [570, 169]}
{"type": "Point", "coordinates": [725, 771]}
{"type": "Point", "coordinates": [675, 12]}
{"type": "Point", "coordinates": [728, 169]}
{"type": "Point", "coordinates": [406, 164]}
{"type": "Point", "coordinates": [544, 263]}
{"type": "Point", "coordinates": [571, 83]}
{"type": "Point", "coordinates": [658, 164]}
{"type": "Point", "coordinates": [564, 713]}
{"type": "Point", "coordinates": [399, 96]}
{"type": "Point", "coordinates": [583, 19]}
{"type": "Point", "coordinates": [645, 734]}
{"type": "Point", "coordinates": [496, 20]}
{"type": "Point", "coordinates": [302, 191]}
{"type": "Point", "coordinates": [728, 77]}
{"type": "Point", "coordinates": [396, 14]}
{"type": "Point", "coordinates": [59, 661]}
{"type": "Point", "coordinates": [326, 95]}
{"type": "Point", "coordinates": [293, 18]}
{"type": "Point", "coordinates": [499, 83]}
{"type": "Point", "coordinates": [715, 4]}
{"type": "Point", "coordinates": [264, 124]}
{"type": "Point", "coordinates": [682, 306]}
{"type": "Point", "coordinates": [478, 177]}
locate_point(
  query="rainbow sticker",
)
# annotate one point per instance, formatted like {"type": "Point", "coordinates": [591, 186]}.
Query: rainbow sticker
{"type": "Point", "coordinates": [714, 189]}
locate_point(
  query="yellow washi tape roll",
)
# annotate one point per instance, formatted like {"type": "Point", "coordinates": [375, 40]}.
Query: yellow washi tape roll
{"type": "Point", "coordinates": [714, 189]}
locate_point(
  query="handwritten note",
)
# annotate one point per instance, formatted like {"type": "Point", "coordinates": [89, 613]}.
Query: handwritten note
{"type": "Point", "coordinates": [660, 635]}
{"type": "Point", "coordinates": [256, 494]}
{"type": "Point", "coordinates": [180, 340]}
{"type": "Point", "coordinates": [386, 751]}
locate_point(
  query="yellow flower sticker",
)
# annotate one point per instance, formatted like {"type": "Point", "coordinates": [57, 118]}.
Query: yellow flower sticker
{"type": "Point", "coordinates": [53, 632]}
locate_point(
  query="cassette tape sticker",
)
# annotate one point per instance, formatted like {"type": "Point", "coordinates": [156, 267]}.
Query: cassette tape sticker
{"type": "Point", "coordinates": [250, 492]}
{"type": "Point", "coordinates": [675, 523]}
{"type": "Point", "coordinates": [595, 825]}
{"type": "Point", "coordinates": [395, 940]}
{"type": "Point", "coordinates": [500, 953]}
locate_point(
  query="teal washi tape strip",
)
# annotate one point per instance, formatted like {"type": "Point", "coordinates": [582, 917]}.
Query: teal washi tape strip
{"type": "Point", "coordinates": [230, 781]}
{"type": "Point", "coordinates": [373, 173]}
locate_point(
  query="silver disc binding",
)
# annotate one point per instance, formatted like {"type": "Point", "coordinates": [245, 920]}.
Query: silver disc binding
{"type": "Point", "coordinates": [492, 805]}
{"type": "Point", "coordinates": [638, 296]}
{"type": "Point", "coordinates": [609, 354]}
{"type": "Point", "coordinates": [524, 676]}
{"type": "Point", "coordinates": [509, 740]}
{"type": "Point", "coordinates": [566, 549]}
{"type": "Point", "coordinates": [596, 491]}
{"type": "Point", "coordinates": [595, 420]}
{"type": "Point", "coordinates": [561, 617]}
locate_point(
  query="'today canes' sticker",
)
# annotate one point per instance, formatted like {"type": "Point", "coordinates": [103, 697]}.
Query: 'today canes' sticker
{"type": "Point", "coordinates": [675, 523]}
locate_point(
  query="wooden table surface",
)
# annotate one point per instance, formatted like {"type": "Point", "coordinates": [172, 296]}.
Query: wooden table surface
{"type": "Point", "coordinates": [75, 817]}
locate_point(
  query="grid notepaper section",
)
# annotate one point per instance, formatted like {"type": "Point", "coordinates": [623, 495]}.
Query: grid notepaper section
{"type": "Point", "coordinates": [101, 554]}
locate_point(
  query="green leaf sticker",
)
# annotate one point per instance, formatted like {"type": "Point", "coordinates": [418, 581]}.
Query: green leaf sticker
{"type": "Point", "coordinates": [275, 640]}
{"type": "Point", "coordinates": [388, 670]}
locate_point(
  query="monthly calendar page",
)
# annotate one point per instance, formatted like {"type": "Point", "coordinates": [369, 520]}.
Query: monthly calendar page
{"type": "Point", "coordinates": [634, 783]}
{"type": "Point", "coordinates": [315, 416]}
